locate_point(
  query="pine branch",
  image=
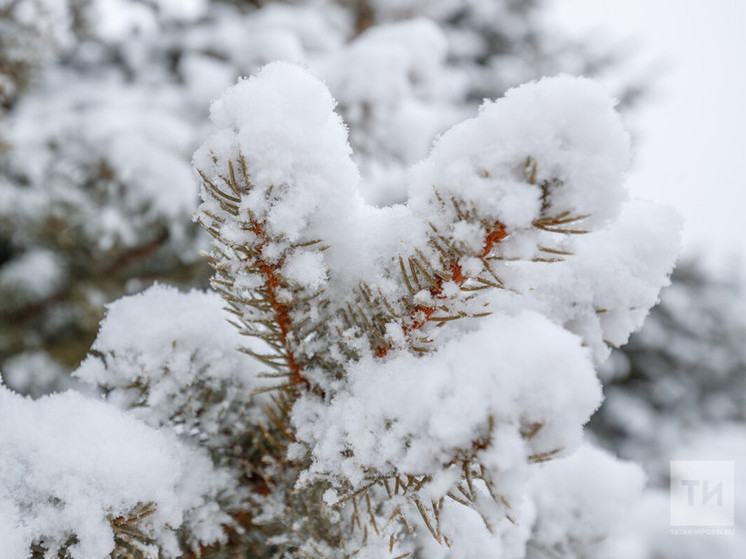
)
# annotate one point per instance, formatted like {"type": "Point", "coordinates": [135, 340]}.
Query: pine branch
{"type": "Point", "coordinates": [316, 497]}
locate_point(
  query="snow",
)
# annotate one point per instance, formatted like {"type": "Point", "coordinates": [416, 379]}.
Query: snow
{"type": "Point", "coordinates": [158, 348]}
{"type": "Point", "coordinates": [301, 177]}
{"type": "Point", "coordinates": [565, 126]}
{"type": "Point", "coordinates": [307, 270]}
{"type": "Point", "coordinates": [115, 20]}
{"type": "Point", "coordinates": [527, 197]}
{"type": "Point", "coordinates": [35, 373]}
{"type": "Point", "coordinates": [397, 94]}
{"type": "Point", "coordinates": [469, 389]}
{"type": "Point", "coordinates": [306, 161]}
{"type": "Point", "coordinates": [50, 17]}
{"type": "Point", "coordinates": [33, 34]}
{"type": "Point", "coordinates": [125, 138]}
{"type": "Point", "coordinates": [583, 504]}
{"type": "Point", "coordinates": [606, 288]}
{"type": "Point", "coordinates": [70, 463]}
{"type": "Point", "coordinates": [32, 276]}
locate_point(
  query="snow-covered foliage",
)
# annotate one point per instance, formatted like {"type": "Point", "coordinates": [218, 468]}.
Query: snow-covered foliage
{"type": "Point", "coordinates": [396, 397]}
{"type": "Point", "coordinates": [179, 367]}
{"type": "Point", "coordinates": [33, 33]}
{"type": "Point", "coordinates": [106, 101]}
{"type": "Point", "coordinates": [365, 379]}
{"type": "Point", "coordinates": [76, 473]}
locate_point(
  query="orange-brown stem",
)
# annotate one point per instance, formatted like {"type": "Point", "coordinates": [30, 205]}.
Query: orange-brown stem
{"type": "Point", "coordinates": [281, 311]}
{"type": "Point", "coordinates": [494, 236]}
{"type": "Point", "coordinates": [235, 535]}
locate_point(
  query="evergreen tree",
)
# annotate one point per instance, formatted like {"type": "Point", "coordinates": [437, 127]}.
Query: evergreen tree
{"type": "Point", "coordinates": [391, 382]}
{"type": "Point", "coordinates": [106, 101]}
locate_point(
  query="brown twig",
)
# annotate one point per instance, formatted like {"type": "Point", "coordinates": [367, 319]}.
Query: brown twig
{"type": "Point", "coordinates": [420, 314]}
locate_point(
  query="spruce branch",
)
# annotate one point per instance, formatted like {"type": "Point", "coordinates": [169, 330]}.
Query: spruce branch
{"type": "Point", "coordinates": [319, 488]}
{"type": "Point", "coordinates": [264, 312]}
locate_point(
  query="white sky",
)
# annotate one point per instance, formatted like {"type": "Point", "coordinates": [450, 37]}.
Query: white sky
{"type": "Point", "coordinates": [692, 147]}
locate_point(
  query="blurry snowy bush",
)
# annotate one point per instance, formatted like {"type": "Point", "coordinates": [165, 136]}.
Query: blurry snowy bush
{"type": "Point", "coordinates": [677, 391]}
{"type": "Point", "coordinates": [104, 101]}
{"type": "Point", "coordinates": [409, 380]}
{"type": "Point", "coordinates": [682, 373]}
{"type": "Point", "coordinates": [33, 33]}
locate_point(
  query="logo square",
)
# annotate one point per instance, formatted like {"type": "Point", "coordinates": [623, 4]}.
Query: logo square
{"type": "Point", "coordinates": [703, 493]}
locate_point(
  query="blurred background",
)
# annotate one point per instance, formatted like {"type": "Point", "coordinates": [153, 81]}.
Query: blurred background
{"type": "Point", "coordinates": [102, 103]}
{"type": "Point", "coordinates": [692, 129]}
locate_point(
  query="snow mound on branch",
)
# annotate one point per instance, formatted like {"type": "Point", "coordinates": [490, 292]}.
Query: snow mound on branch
{"type": "Point", "coordinates": [300, 182]}
{"type": "Point", "coordinates": [282, 122]}
{"type": "Point", "coordinates": [605, 289]}
{"type": "Point", "coordinates": [70, 463]}
{"type": "Point", "coordinates": [564, 125]}
{"type": "Point", "coordinates": [583, 505]}
{"type": "Point", "coordinates": [416, 413]}
{"type": "Point", "coordinates": [157, 349]}
{"type": "Point", "coordinates": [160, 322]}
